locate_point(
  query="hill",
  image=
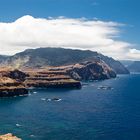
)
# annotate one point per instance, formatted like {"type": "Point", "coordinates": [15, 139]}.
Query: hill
{"type": "Point", "coordinates": [42, 57]}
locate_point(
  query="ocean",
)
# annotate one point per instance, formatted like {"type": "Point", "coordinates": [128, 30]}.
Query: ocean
{"type": "Point", "coordinates": [91, 113]}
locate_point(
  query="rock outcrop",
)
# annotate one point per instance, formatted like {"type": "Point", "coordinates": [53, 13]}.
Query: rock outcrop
{"type": "Point", "coordinates": [9, 136]}
{"type": "Point", "coordinates": [16, 74]}
{"type": "Point", "coordinates": [97, 70]}
{"type": "Point", "coordinates": [91, 71]}
{"type": "Point", "coordinates": [11, 84]}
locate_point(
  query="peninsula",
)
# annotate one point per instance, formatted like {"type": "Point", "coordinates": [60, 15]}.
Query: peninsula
{"type": "Point", "coordinates": [17, 82]}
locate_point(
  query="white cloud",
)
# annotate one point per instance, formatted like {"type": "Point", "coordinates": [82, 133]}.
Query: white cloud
{"type": "Point", "coordinates": [29, 32]}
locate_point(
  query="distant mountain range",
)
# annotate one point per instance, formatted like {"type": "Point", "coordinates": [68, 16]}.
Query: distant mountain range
{"type": "Point", "coordinates": [132, 66]}
{"type": "Point", "coordinates": [42, 57]}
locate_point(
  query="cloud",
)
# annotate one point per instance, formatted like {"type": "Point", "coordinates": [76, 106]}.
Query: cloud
{"type": "Point", "coordinates": [28, 32]}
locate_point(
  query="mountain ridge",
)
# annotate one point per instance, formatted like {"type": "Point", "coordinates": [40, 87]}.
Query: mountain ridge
{"type": "Point", "coordinates": [42, 57]}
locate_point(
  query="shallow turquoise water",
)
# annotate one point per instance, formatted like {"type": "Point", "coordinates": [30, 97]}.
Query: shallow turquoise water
{"type": "Point", "coordinates": [86, 114]}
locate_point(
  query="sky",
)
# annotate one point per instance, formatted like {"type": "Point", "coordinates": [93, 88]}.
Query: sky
{"type": "Point", "coordinates": [110, 27]}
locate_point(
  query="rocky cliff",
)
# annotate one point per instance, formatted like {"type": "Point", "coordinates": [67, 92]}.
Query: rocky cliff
{"type": "Point", "coordinates": [11, 84]}
{"type": "Point", "coordinates": [91, 71]}
{"type": "Point", "coordinates": [45, 78]}
{"type": "Point", "coordinates": [68, 76]}
{"type": "Point", "coordinates": [16, 82]}
{"type": "Point", "coordinates": [97, 70]}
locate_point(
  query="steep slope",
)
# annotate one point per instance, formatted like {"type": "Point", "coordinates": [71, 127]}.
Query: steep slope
{"type": "Point", "coordinates": [117, 66]}
{"type": "Point", "coordinates": [97, 70]}
{"type": "Point", "coordinates": [42, 57]}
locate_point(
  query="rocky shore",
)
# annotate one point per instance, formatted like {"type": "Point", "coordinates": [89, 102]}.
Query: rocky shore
{"type": "Point", "coordinates": [13, 91]}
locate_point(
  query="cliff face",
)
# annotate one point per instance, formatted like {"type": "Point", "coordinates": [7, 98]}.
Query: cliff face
{"type": "Point", "coordinates": [50, 79]}
{"type": "Point", "coordinates": [91, 71]}
{"type": "Point", "coordinates": [68, 76]}
{"type": "Point", "coordinates": [15, 82]}
{"type": "Point", "coordinates": [42, 57]}
{"type": "Point", "coordinates": [15, 74]}
{"type": "Point", "coordinates": [87, 71]}
{"type": "Point", "coordinates": [11, 84]}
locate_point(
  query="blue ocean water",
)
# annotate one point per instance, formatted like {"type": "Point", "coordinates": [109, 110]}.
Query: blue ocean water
{"type": "Point", "coordinates": [86, 114]}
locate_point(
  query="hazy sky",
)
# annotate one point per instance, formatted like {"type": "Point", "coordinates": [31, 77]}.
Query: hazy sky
{"type": "Point", "coordinates": [108, 26]}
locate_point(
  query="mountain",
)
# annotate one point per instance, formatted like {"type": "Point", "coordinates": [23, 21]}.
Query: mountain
{"type": "Point", "coordinates": [126, 63]}
{"type": "Point", "coordinates": [134, 67]}
{"type": "Point", "coordinates": [43, 57]}
{"type": "Point", "coordinates": [3, 58]}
